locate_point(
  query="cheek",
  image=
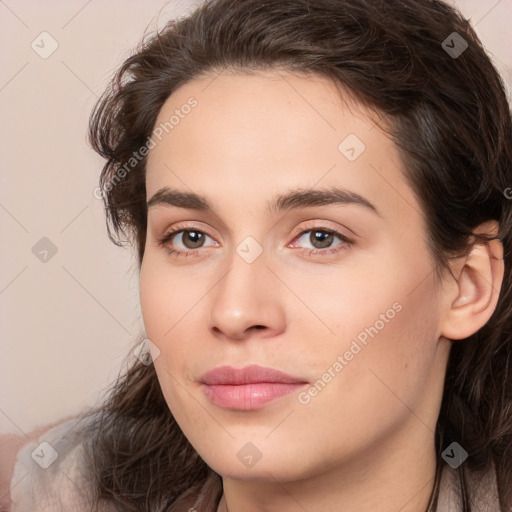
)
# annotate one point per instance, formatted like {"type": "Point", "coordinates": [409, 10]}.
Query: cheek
{"type": "Point", "coordinates": [384, 346]}
{"type": "Point", "coordinates": [380, 308]}
{"type": "Point", "coordinates": [164, 309]}
{"type": "Point", "coordinates": [153, 308]}
{"type": "Point", "coordinates": [170, 309]}
{"type": "Point", "coordinates": [375, 370]}
{"type": "Point", "coordinates": [165, 298]}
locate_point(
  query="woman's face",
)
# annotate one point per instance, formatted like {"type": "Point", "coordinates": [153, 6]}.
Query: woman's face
{"type": "Point", "coordinates": [304, 253]}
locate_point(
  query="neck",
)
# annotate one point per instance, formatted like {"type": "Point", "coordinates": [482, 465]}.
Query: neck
{"type": "Point", "coordinates": [396, 475]}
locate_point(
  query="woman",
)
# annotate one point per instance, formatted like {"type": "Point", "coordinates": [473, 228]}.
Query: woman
{"type": "Point", "coordinates": [317, 192]}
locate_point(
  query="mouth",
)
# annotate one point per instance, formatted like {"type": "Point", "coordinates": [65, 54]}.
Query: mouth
{"type": "Point", "coordinates": [248, 388]}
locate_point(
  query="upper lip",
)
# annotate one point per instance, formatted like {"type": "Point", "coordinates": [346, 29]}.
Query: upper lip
{"type": "Point", "coordinates": [227, 375]}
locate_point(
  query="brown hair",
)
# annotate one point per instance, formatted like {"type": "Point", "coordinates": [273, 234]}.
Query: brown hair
{"type": "Point", "coordinates": [452, 123]}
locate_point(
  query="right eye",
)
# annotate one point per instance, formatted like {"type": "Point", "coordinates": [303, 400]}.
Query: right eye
{"type": "Point", "coordinates": [184, 242]}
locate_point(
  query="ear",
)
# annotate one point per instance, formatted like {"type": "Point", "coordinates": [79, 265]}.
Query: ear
{"type": "Point", "coordinates": [472, 296]}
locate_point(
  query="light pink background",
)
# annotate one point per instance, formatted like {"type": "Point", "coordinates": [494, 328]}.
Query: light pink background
{"type": "Point", "coordinates": [66, 324]}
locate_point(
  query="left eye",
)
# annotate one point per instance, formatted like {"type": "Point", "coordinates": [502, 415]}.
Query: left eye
{"type": "Point", "coordinates": [322, 238]}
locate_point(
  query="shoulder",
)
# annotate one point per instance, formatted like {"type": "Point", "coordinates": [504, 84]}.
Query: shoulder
{"type": "Point", "coordinates": [10, 445]}
{"type": "Point", "coordinates": [49, 473]}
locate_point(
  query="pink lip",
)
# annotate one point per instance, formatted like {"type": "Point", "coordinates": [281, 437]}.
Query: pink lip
{"type": "Point", "coordinates": [247, 388]}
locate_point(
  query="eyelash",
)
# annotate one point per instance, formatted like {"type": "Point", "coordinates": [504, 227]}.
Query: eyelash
{"type": "Point", "coordinates": [346, 241]}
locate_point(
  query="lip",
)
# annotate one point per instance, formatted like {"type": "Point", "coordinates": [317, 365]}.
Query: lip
{"type": "Point", "coordinates": [248, 388]}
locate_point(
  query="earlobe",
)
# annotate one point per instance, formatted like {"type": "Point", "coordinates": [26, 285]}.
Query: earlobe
{"type": "Point", "coordinates": [477, 289]}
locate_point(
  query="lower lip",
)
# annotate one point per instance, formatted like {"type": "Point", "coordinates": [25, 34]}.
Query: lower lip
{"type": "Point", "coordinates": [246, 397]}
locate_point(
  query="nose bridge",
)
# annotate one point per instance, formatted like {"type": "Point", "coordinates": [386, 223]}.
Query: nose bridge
{"type": "Point", "coordinates": [245, 296]}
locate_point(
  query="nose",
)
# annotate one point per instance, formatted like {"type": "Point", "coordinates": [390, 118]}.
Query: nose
{"type": "Point", "coordinates": [247, 302]}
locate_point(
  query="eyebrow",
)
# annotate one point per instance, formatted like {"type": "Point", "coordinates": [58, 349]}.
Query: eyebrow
{"type": "Point", "coordinates": [294, 199]}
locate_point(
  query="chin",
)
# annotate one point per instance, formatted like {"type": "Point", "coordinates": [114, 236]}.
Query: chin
{"type": "Point", "coordinates": [258, 473]}
{"type": "Point", "coordinates": [246, 463]}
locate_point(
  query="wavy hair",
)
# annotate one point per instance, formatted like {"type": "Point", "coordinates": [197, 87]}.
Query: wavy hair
{"type": "Point", "coordinates": [450, 120]}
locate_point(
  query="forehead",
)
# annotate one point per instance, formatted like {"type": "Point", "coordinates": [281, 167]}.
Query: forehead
{"type": "Point", "coordinates": [255, 134]}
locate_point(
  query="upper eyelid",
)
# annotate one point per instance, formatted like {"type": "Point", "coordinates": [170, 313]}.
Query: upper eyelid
{"type": "Point", "coordinates": [298, 231]}
{"type": "Point", "coordinates": [304, 229]}
{"type": "Point", "coordinates": [224, 229]}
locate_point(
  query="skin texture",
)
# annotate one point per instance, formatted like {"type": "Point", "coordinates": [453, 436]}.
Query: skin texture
{"type": "Point", "coordinates": [367, 438]}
